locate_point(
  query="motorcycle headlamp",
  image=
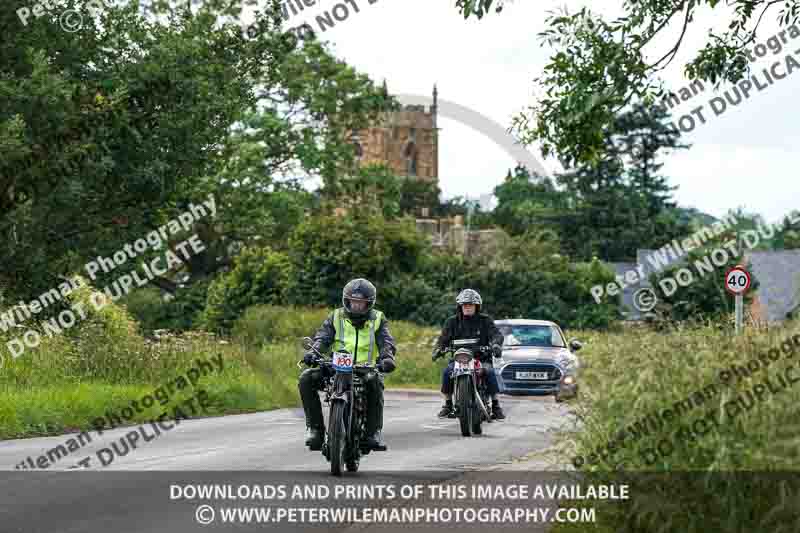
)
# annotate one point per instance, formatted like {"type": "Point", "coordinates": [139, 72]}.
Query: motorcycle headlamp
{"type": "Point", "coordinates": [463, 357]}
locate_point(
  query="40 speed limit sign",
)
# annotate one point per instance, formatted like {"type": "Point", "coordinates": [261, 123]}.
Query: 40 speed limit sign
{"type": "Point", "coordinates": [737, 280]}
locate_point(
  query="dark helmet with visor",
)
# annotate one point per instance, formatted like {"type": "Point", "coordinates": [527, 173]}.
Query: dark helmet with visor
{"type": "Point", "coordinates": [362, 290]}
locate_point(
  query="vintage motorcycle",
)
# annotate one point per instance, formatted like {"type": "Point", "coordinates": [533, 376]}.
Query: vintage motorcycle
{"type": "Point", "coordinates": [471, 399]}
{"type": "Point", "coordinates": [345, 392]}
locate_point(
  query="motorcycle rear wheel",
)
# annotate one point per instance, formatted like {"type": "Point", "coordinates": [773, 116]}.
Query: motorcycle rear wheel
{"type": "Point", "coordinates": [336, 438]}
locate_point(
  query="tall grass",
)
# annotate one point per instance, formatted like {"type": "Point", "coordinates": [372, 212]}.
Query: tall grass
{"type": "Point", "coordinates": [104, 362]}
{"type": "Point", "coordinates": [633, 374]}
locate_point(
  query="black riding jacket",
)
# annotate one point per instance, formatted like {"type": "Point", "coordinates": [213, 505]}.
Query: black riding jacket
{"type": "Point", "coordinates": [478, 326]}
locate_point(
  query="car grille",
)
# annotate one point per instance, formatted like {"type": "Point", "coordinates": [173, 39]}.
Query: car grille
{"type": "Point", "coordinates": [509, 372]}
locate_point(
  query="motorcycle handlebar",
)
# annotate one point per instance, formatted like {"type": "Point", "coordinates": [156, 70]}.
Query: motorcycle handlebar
{"type": "Point", "coordinates": [452, 349]}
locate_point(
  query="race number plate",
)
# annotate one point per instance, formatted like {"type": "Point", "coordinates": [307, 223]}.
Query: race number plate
{"type": "Point", "coordinates": [342, 362]}
{"type": "Point", "coordinates": [531, 375]}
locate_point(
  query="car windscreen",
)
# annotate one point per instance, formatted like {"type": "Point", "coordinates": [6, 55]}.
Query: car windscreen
{"type": "Point", "coordinates": [529, 335]}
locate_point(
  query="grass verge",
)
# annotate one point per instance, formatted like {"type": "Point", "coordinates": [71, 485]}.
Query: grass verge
{"type": "Point", "coordinates": [104, 364]}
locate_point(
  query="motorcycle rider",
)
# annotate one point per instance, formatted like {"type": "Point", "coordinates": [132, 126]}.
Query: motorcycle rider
{"type": "Point", "coordinates": [355, 325]}
{"type": "Point", "coordinates": [470, 323]}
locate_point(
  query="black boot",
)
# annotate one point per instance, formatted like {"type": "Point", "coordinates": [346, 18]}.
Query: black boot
{"type": "Point", "coordinates": [497, 411]}
{"type": "Point", "coordinates": [314, 438]}
{"type": "Point", "coordinates": [375, 441]}
{"type": "Point", "coordinates": [447, 410]}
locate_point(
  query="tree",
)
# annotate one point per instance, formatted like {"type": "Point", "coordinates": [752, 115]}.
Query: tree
{"type": "Point", "coordinates": [704, 297]}
{"type": "Point", "coordinates": [108, 132]}
{"type": "Point", "coordinates": [415, 193]}
{"type": "Point", "coordinates": [370, 189]}
{"type": "Point", "coordinates": [599, 67]}
{"type": "Point", "coordinates": [752, 222]}
{"type": "Point", "coordinates": [261, 276]}
{"type": "Point", "coordinates": [620, 204]}
{"type": "Point", "coordinates": [526, 202]}
{"type": "Point", "coordinates": [788, 238]}
{"type": "Point", "coordinates": [327, 251]}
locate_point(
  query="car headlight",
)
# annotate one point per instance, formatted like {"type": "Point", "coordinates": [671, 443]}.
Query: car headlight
{"type": "Point", "coordinates": [569, 380]}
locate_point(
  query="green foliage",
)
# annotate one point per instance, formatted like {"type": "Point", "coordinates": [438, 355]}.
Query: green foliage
{"type": "Point", "coordinates": [327, 251]}
{"type": "Point", "coordinates": [261, 276]}
{"type": "Point", "coordinates": [371, 189]}
{"type": "Point", "coordinates": [525, 201]}
{"type": "Point", "coordinates": [705, 299]}
{"type": "Point", "coordinates": [144, 114]}
{"type": "Point", "coordinates": [180, 313]}
{"type": "Point", "coordinates": [416, 193]}
{"type": "Point", "coordinates": [478, 8]}
{"type": "Point", "coordinates": [788, 238]}
{"type": "Point", "coordinates": [416, 299]}
{"type": "Point", "coordinates": [534, 281]}
{"type": "Point", "coordinates": [620, 204]}
{"type": "Point", "coordinates": [48, 391]}
{"type": "Point", "coordinates": [263, 324]}
{"type": "Point", "coordinates": [599, 67]}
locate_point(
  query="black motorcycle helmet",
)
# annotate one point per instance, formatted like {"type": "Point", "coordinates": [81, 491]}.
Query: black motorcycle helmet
{"type": "Point", "coordinates": [358, 289]}
{"type": "Point", "coordinates": [469, 296]}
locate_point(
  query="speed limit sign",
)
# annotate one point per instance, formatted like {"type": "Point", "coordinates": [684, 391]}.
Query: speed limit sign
{"type": "Point", "coordinates": [737, 280]}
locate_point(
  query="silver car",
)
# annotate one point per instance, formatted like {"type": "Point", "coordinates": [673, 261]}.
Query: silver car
{"type": "Point", "coordinates": [537, 359]}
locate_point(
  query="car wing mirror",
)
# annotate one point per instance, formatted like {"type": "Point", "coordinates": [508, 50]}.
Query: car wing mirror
{"type": "Point", "coordinates": [575, 345]}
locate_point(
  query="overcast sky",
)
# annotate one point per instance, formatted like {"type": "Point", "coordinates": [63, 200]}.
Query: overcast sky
{"type": "Point", "coordinates": [743, 157]}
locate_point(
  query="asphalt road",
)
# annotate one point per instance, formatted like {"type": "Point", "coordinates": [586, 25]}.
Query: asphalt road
{"type": "Point", "coordinates": [273, 440]}
{"type": "Point", "coordinates": [132, 492]}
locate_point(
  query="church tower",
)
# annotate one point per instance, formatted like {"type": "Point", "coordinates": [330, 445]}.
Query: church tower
{"type": "Point", "coordinates": [407, 141]}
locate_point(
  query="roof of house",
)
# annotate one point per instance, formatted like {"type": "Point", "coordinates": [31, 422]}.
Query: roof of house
{"type": "Point", "coordinates": [630, 312]}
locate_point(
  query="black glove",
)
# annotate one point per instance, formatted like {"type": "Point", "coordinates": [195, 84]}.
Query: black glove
{"type": "Point", "coordinates": [310, 359]}
{"type": "Point", "coordinates": [497, 350]}
{"type": "Point", "coordinates": [386, 365]}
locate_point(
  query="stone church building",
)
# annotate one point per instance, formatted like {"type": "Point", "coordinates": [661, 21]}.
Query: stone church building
{"type": "Point", "coordinates": [407, 141]}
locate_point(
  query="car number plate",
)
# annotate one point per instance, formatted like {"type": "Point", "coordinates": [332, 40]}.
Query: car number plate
{"type": "Point", "coordinates": [531, 375]}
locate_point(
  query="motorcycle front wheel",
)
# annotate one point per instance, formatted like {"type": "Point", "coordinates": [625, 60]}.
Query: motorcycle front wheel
{"type": "Point", "coordinates": [464, 398]}
{"type": "Point", "coordinates": [337, 437]}
{"type": "Point", "coordinates": [478, 417]}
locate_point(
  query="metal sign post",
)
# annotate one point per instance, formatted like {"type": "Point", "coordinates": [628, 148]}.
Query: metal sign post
{"type": "Point", "coordinates": [737, 282]}
{"type": "Point", "coordinates": [739, 312]}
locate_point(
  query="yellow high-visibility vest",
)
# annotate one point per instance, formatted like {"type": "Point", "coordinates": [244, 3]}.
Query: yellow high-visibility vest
{"type": "Point", "coordinates": [348, 337]}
